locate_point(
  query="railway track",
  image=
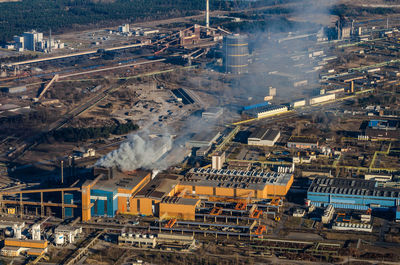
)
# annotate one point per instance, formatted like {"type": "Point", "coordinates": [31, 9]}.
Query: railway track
{"type": "Point", "coordinates": [34, 141]}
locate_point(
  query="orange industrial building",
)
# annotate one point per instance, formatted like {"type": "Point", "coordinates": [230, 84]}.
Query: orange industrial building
{"type": "Point", "coordinates": [158, 198]}
{"type": "Point", "coordinates": [224, 184]}
{"type": "Point", "coordinates": [167, 195]}
{"type": "Point", "coordinates": [175, 196]}
{"type": "Point", "coordinates": [14, 246]}
{"type": "Point", "coordinates": [111, 192]}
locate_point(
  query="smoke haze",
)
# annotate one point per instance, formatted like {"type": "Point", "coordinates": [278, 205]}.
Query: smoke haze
{"type": "Point", "coordinates": [138, 152]}
{"type": "Point", "coordinates": [288, 59]}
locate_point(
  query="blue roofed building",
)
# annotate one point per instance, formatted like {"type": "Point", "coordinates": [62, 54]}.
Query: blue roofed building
{"type": "Point", "coordinates": [354, 194]}
{"type": "Point", "coordinates": [381, 129]}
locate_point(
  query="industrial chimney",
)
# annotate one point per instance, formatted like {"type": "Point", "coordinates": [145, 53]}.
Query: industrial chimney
{"type": "Point", "coordinates": [207, 13]}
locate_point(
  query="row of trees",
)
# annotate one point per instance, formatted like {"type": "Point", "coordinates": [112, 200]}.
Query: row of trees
{"type": "Point", "coordinates": [62, 14]}
{"type": "Point", "coordinates": [354, 11]}
{"type": "Point", "coordinates": [71, 134]}
{"type": "Point", "coordinates": [69, 14]}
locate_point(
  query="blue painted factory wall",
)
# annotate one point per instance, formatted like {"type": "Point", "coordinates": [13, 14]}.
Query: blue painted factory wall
{"type": "Point", "coordinates": [262, 104]}
{"type": "Point", "coordinates": [398, 214]}
{"type": "Point", "coordinates": [357, 202]}
{"type": "Point", "coordinates": [104, 207]}
{"type": "Point", "coordinates": [68, 199]}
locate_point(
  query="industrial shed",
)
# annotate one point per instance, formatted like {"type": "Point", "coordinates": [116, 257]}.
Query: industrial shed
{"type": "Point", "coordinates": [355, 194]}
{"type": "Point", "coordinates": [235, 184]}
{"type": "Point", "coordinates": [301, 142]}
{"type": "Point", "coordinates": [264, 137]}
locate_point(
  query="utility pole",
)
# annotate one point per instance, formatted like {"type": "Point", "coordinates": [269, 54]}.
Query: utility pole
{"type": "Point", "coordinates": [62, 172]}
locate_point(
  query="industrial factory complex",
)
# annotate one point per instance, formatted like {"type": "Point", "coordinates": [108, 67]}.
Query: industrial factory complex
{"type": "Point", "coordinates": [239, 136]}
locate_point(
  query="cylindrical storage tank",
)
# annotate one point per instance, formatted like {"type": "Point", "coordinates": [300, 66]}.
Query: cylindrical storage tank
{"type": "Point", "coordinates": [8, 232]}
{"type": "Point", "coordinates": [236, 53]}
{"type": "Point", "coordinates": [59, 239]}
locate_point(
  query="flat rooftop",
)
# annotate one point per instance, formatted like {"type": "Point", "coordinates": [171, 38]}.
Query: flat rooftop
{"type": "Point", "coordinates": [264, 134]}
{"type": "Point", "coordinates": [225, 178]}
{"type": "Point", "coordinates": [8, 239]}
{"type": "Point", "coordinates": [206, 136]}
{"type": "Point", "coordinates": [264, 109]}
{"type": "Point", "coordinates": [159, 187]}
{"type": "Point", "coordinates": [180, 200]}
{"type": "Point", "coordinates": [303, 139]}
{"type": "Point", "coordinates": [213, 110]}
{"type": "Point", "coordinates": [351, 187]}
{"type": "Point", "coordinates": [122, 180]}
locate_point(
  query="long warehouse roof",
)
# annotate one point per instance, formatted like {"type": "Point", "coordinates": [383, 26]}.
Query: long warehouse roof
{"type": "Point", "coordinates": [255, 180]}
{"type": "Point", "coordinates": [351, 187]}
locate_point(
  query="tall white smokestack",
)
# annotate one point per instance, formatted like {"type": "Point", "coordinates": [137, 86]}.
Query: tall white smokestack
{"type": "Point", "coordinates": [207, 13]}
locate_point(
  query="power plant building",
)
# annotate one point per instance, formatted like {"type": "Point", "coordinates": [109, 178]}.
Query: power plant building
{"type": "Point", "coordinates": [236, 53]}
{"type": "Point", "coordinates": [124, 28]}
{"type": "Point", "coordinates": [34, 41]}
{"type": "Point", "coordinates": [31, 38]}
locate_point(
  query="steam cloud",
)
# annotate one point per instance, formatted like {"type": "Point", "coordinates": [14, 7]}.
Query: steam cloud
{"type": "Point", "coordinates": [142, 151]}
{"type": "Point", "coordinates": [138, 152]}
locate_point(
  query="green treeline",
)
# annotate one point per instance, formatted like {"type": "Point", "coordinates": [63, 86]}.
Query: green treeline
{"type": "Point", "coordinates": [354, 11]}
{"type": "Point", "coordinates": [83, 134]}
{"type": "Point", "coordinates": [17, 17]}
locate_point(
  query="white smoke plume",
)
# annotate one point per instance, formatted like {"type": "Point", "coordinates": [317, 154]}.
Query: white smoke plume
{"type": "Point", "coordinates": [155, 153]}
{"type": "Point", "coordinates": [142, 151]}
{"type": "Point", "coordinates": [139, 151]}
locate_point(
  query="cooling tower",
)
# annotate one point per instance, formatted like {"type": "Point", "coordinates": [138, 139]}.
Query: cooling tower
{"type": "Point", "coordinates": [236, 52]}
